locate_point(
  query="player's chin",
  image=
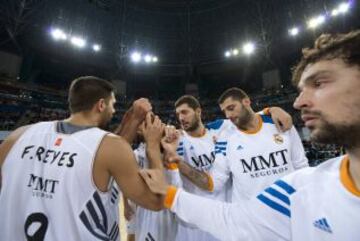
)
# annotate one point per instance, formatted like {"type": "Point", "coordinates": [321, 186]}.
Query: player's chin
{"type": "Point", "coordinates": [320, 135]}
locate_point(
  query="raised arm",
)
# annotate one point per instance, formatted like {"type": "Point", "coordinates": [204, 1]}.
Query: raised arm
{"type": "Point", "coordinates": [116, 158]}
{"type": "Point", "coordinates": [132, 119]}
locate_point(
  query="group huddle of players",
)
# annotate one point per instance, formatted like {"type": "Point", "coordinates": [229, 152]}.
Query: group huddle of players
{"type": "Point", "coordinates": [228, 160]}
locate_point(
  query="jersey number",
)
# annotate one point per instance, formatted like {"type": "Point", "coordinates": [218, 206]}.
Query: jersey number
{"type": "Point", "coordinates": [36, 225]}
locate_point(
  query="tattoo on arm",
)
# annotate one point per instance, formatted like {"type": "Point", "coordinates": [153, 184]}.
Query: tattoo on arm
{"type": "Point", "coordinates": [198, 178]}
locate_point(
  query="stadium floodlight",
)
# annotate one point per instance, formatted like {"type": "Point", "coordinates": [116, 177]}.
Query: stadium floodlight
{"type": "Point", "coordinates": [248, 48]}
{"type": "Point", "coordinates": [148, 58]}
{"type": "Point", "coordinates": [343, 7]}
{"type": "Point", "coordinates": [294, 31]}
{"type": "Point", "coordinates": [235, 52]}
{"type": "Point", "coordinates": [227, 54]}
{"type": "Point", "coordinates": [96, 47]}
{"type": "Point", "coordinates": [334, 12]}
{"type": "Point", "coordinates": [78, 42]}
{"type": "Point", "coordinates": [154, 59]}
{"type": "Point", "coordinates": [315, 22]}
{"type": "Point", "coordinates": [58, 34]}
{"type": "Point", "coordinates": [136, 57]}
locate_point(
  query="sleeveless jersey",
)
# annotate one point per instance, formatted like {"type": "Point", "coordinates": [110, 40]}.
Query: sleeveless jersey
{"type": "Point", "coordinates": [48, 191]}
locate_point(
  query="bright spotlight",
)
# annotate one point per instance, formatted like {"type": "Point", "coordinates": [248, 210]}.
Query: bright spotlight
{"type": "Point", "coordinates": [58, 34]}
{"type": "Point", "coordinates": [343, 7]}
{"type": "Point", "coordinates": [147, 58]}
{"type": "Point", "coordinates": [154, 59]}
{"type": "Point", "coordinates": [248, 48]}
{"type": "Point", "coordinates": [227, 54]}
{"type": "Point", "coordinates": [235, 52]}
{"type": "Point", "coordinates": [135, 57]}
{"type": "Point", "coordinates": [78, 42]}
{"type": "Point", "coordinates": [294, 31]}
{"type": "Point", "coordinates": [315, 22]}
{"type": "Point", "coordinates": [334, 12]}
{"type": "Point", "coordinates": [96, 47]}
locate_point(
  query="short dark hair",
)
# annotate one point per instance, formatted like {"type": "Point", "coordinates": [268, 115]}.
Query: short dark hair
{"type": "Point", "coordinates": [328, 47]}
{"type": "Point", "coordinates": [234, 93]}
{"type": "Point", "coordinates": [85, 91]}
{"type": "Point", "coordinates": [190, 100]}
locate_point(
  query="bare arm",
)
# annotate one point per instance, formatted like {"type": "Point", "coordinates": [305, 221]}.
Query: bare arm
{"type": "Point", "coordinates": [281, 118]}
{"type": "Point", "coordinates": [153, 132]}
{"type": "Point", "coordinates": [199, 178]}
{"type": "Point", "coordinates": [116, 158]}
{"type": "Point", "coordinates": [132, 119]}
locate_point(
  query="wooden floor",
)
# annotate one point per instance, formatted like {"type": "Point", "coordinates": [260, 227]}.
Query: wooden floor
{"type": "Point", "coordinates": [122, 227]}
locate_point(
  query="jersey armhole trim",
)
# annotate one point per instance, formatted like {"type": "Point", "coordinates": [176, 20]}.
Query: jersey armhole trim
{"type": "Point", "coordinates": [92, 167]}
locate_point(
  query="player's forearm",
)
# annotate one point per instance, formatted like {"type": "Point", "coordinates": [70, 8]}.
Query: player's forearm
{"type": "Point", "coordinates": [154, 155]}
{"type": "Point", "coordinates": [222, 220]}
{"type": "Point", "coordinates": [199, 178]}
{"type": "Point", "coordinates": [128, 126]}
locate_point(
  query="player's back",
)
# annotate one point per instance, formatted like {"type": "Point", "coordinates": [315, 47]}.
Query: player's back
{"type": "Point", "coordinates": [48, 191]}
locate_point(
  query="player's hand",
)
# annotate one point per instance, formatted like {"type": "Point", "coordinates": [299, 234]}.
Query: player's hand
{"type": "Point", "coordinates": [283, 121]}
{"type": "Point", "coordinates": [153, 129]}
{"type": "Point", "coordinates": [155, 179]}
{"type": "Point", "coordinates": [140, 108]}
{"type": "Point", "coordinates": [170, 141]}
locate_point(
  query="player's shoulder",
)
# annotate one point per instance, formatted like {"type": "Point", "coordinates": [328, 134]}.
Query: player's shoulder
{"type": "Point", "coordinates": [302, 184]}
{"type": "Point", "coordinates": [266, 119]}
{"type": "Point", "coordinates": [114, 144]}
{"type": "Point", "coordinates": [216, 124]}
{"type": "Point", "coordinates": [310, 176]}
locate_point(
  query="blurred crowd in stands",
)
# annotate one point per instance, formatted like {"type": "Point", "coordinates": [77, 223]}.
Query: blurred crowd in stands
{"type": "Point", "coordinates": [21, 106]}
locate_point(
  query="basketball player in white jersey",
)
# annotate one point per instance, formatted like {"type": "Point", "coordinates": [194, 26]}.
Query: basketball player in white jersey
{"type": "Point", "coordinates": [321, 203]}
{"type": "Point", "coordinates": [58, 178]}
{"type": "Point", "coordinates": [255, 154]}
{"type": "Point", "coordinates": [197, 147]}
{"type": "Point", "coordinates": [146, 224]}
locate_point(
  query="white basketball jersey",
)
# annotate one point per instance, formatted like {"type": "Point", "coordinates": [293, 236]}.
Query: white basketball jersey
{"type": "Point", "coordinates": [199, 152]}
{"type": "Point", "coordinates": [48, 191]}
{"type": "Point", "coordinates": [255, 160]}
{"type": "Point", "coordinates": [151, 225]}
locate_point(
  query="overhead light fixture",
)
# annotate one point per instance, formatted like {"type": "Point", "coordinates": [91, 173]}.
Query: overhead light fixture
{"type": "Point", "coordinates": [78, 42]}
{"type": "Point", "coordinates": [248, 48]}
{"type": "Point", "coordinates": [58, 34]}
{"type": "Point", "coordinates": [96, 47]}
{"type": "Point", "coordinates": [343, 7]}
{"type": "Point", "coordinates": [235, 52]}
{"type": "Point", "coordinates": [294, 31]}
{"type": "Point", "coordinates": [227, 54]}
{"type": "Point", "coordinates": [154, 59]}
{"type": "Point", "coordinates": [135, 57]}
{"type": "Point", "coordinates": [317, 21]}
{"type": "Point", "coordinates": [334, 12]}
{"type": "Point", "coordinates": [148, 58]}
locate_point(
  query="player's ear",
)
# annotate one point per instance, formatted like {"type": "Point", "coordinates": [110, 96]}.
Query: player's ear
{"type": "Point", "coordinates": [101, 105]}
{"type": "Point", "coordinates": [198, 111]}
{"type": "Point", "coordinates": [246, 102]}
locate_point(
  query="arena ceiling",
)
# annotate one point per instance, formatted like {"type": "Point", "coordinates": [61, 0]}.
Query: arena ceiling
{"type": "Point", "coordinates": [188, 34]}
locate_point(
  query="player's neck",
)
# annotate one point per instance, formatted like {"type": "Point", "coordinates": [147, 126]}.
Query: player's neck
{"type": "Point", "coordinates": [82, 119]}
{"type": "Point", "coordinates": [252, 125]}
{"type": "Point", "coordinates": [199, 132]}
{"type": "Point", "coordinates": [354, 168]}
